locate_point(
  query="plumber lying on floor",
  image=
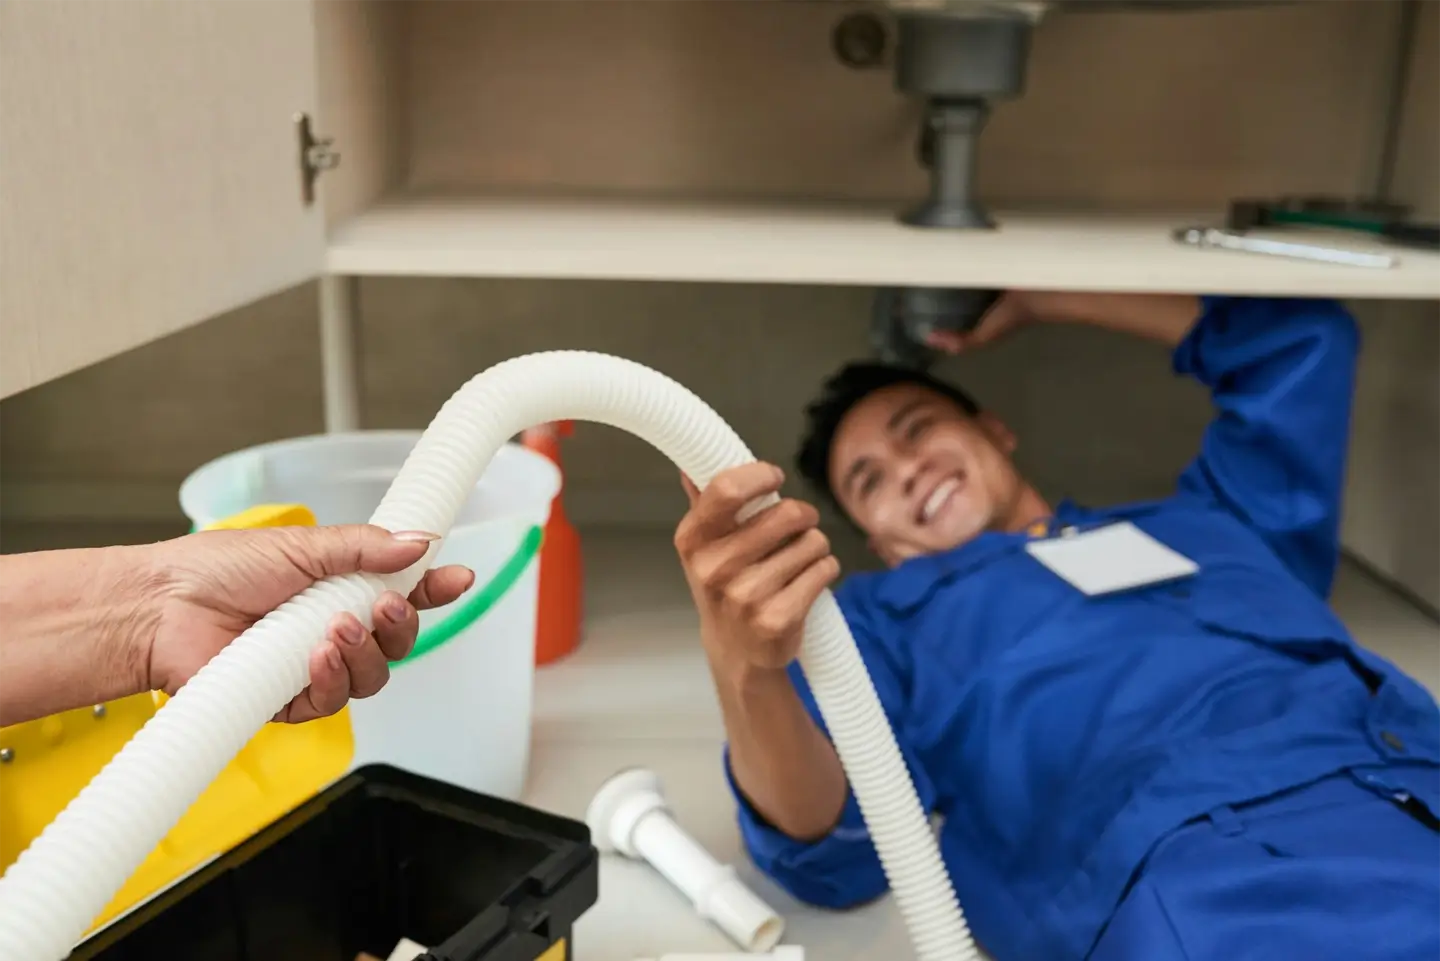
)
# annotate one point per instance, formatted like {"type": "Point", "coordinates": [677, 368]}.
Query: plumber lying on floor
{"type": "Point", "coordinates": [1147, 734]}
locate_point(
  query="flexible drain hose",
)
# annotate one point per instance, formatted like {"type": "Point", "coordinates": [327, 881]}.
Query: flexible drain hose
{"type": "Point", "coordinates": [66, 877]}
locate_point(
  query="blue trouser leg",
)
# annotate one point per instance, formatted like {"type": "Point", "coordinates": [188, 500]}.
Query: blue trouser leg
{"type": "Point", "coordinates": [1330, 872]}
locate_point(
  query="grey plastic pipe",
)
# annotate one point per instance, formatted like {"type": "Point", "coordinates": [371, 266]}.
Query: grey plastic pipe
{"type": "Point", "coordinates": [51, 894]}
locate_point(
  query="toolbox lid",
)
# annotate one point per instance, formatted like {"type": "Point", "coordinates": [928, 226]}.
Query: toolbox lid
{"type": "Point", "coordinates": [381, 855]}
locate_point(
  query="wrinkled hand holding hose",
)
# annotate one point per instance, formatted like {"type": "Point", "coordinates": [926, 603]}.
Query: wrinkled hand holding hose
{"type": "Point", "coordinates": [66, 877]}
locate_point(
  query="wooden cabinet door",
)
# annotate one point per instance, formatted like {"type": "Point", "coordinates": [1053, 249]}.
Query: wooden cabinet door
{"type": "Point", "coordinates": [149, 171]}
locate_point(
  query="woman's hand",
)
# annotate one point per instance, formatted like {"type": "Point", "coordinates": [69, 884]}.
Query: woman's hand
{"type": "Point", "coordinates": [208, 588]}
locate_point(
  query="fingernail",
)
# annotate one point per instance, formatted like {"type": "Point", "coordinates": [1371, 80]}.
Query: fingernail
{"type": "Point", "coordinates": [395, 609]}
{"type": "Point", "coordinates": [332, 657]}
{"type": "Point", "coordinates": [351, 632]}
{"type": "Point", "coordinates": [469, 579]}
{"type": "Point", "coordinates": [415, 537]}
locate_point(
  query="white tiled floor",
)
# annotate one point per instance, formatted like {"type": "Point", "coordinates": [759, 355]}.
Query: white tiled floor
{"type": "Point", "coordinates": [639, 672]}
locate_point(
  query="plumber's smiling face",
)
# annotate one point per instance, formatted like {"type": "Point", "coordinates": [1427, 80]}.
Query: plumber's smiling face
{"type": "Point", "coordinates": [919, 475]}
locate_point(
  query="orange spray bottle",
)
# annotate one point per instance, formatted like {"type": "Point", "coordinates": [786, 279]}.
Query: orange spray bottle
{"type": "Point", "coordinates": [557, 629]}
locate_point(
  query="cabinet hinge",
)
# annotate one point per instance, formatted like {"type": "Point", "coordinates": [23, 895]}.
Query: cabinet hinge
{"type": "Point", "coordinates": [317, 154]}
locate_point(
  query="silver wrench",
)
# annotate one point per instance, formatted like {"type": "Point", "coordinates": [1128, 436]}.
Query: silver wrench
{"type": "Point", "coordinates": [1230, 240]}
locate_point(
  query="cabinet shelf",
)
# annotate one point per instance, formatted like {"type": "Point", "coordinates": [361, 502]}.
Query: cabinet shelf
{"type": "Point", "coordinates": [610, 238]}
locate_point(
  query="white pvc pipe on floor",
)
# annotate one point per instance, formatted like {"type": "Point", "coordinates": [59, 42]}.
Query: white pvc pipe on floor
{"type": "Point", "coordinates": [629, 814]}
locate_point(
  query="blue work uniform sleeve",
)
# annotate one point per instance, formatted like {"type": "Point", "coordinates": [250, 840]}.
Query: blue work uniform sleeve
{"type": "Point", "coordinates": [1282, 375]}
{"type": "Point", "coordinates": [840, 870]}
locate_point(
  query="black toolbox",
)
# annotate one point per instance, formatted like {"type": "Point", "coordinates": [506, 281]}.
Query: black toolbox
{"type": "Point", "coordinates": [379, 855]}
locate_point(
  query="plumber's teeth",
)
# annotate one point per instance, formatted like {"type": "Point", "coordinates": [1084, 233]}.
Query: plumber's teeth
{"type": "Point", "coordinates": [936, 500]}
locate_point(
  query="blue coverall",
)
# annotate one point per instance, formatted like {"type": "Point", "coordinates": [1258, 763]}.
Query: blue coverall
{"type": "Point", "coordinates": [1203, 769]}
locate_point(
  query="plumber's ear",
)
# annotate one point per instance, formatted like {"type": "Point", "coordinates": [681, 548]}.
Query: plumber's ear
{"type": "Point", "coordinates": [1001, 435]}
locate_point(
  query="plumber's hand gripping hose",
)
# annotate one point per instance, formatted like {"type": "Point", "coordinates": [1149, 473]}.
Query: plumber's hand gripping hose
{"type": "Point", "coordinates": [65, 878]}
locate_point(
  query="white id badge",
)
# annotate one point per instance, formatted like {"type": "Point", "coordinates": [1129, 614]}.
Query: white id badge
{"type": "Point", "coordinates": [1116, 557]}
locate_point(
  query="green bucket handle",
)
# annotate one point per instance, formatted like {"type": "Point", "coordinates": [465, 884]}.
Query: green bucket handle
{"type": "Point", "coordinates": [480, 601]}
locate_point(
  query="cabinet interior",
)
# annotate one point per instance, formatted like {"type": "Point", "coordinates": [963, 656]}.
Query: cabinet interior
{"type": "Point", "coordinates": [1158, 119]}
{"type": "Point", "coordinates": [1123, 110]}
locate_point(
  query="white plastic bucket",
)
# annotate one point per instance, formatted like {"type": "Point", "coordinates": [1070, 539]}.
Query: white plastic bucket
{"type": "Point", "coordinates": [458, 709]}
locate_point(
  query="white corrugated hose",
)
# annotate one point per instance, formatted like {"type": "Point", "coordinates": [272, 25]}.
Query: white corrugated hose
{"type": "Point", "coordinates": [67, 876]}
